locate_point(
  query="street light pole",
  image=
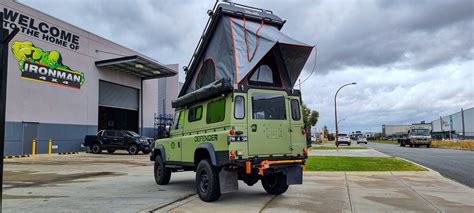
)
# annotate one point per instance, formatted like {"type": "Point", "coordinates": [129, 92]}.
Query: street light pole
{"type": "Point", "coordinates": [335, 110]}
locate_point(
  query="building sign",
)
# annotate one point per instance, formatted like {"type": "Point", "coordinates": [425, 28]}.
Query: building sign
{"type": "Point", "coordinates": [39, 29]}
{"type": "Point", "coordinates": [45, 66]}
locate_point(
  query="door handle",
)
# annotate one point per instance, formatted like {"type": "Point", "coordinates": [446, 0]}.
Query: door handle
{"type": "Point", "coordinates": [254, 127]}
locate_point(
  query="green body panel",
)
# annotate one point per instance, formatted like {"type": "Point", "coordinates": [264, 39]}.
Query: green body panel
{"type": "Point", "coordinates": [272, 137]}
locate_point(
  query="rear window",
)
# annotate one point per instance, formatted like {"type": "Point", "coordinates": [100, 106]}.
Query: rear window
{"type": "Point", "coordinates": [342, 135]}
{"type": "Point", "coordinates": [215, 111]}
{"type": "Point", "coordinates": [268, 106]}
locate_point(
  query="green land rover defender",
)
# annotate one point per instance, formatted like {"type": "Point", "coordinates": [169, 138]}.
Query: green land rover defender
{"type": "Point", "coordinates": [238, 116]}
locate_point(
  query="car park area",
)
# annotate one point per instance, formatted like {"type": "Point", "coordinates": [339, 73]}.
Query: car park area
{"type": "Point", "coordinates": [119, 182]}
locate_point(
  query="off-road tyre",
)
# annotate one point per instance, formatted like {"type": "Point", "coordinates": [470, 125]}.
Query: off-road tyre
{"type": "Point", "coordinates": [133, 149]}
{"type": "Point", "coordinates": [96, 149]}
{"type": "Point", "coordinates": [207, 181]}
{"type": "Point", "coordinates": [162, 174]}
{"type": "Point", "coordinates": [275, 184]}
{"type": "Point", "coordinates": [110, 151]}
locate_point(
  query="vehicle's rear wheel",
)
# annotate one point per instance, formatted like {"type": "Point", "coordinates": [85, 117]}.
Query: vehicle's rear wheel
{"type": "Point", "coordinates": [428, 145]}
{"type": "Point", "coordinates": [207, 181]}
{"type": "Point", "coordinates": [162, 174]}
{"type": "Point", "coordinates": [133, 149]}
{"type": "Point", "coordinates": [96, 149]}
{"type": "Point", "coordinates": [110, 151]}
{"type": "Point", "coordinates": [275, 184]}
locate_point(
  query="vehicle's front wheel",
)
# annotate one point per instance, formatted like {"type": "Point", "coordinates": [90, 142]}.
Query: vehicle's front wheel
{"type": "Point", "coordinates": [96, 149]}
{"type": "Point", "coordinates": [162, 174]}
{"type": "Point", "coordinates": [133, 149]}
{"type": "Point", "coordinates": [275, 184]}
{"type": "Point", "coordinates": [110, 151]}
{"type": "Point", "coordinates": [207, 181]}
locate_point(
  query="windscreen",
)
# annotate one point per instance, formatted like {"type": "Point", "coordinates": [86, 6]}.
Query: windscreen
{"type": "Point", "coordinates": [268, 106]}
{"type": "Point", "coordinates": [421, 132]}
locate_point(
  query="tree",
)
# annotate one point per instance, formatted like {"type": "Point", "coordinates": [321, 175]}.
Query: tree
{"type": "Point", "coordinates": [310, 117]}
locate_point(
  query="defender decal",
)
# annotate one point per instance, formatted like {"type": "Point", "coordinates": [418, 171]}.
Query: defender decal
{"type": "Point", "coordinates": [205, 138]}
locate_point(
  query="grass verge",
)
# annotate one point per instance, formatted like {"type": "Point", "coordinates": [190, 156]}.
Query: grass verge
{"type": "Point", "coordinates": [334, 148]}
{"type": "Point", "coordinates": [346, 163]}
{"type": "Point", "coordinates": [384, 141]}
{"type": "Point", "coordinates": [462, 144]}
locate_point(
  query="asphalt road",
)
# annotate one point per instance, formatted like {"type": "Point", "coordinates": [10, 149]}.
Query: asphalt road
{"type": "Point", "coordinates": [457, 165]}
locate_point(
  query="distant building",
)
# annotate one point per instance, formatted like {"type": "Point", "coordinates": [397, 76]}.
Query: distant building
{"type": "Point", "coordinates": [459, 124]}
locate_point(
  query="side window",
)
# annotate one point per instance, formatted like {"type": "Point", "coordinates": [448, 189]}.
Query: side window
{"type": "Point", "coordinates": [295, 110]}
{"type": "Point", "coordinates": [109, 133]}
{"type": "Point", "coordinates": [178, 120]}
{"type": "Point", "coordinates": [239, 107]}
{"type": "Point", "coordinates": [207, 74]}
{"type": "Point", "coordinates": [215, 111]}
{"type": "Point", "coordinates": [195, 114]}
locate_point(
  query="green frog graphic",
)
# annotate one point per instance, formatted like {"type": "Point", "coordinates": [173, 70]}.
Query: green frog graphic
{"type": "Point", "coordinates": [26, 51]}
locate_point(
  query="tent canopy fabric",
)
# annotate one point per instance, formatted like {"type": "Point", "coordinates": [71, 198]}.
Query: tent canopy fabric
{"type": "Point", "coordinates": [239, 46]}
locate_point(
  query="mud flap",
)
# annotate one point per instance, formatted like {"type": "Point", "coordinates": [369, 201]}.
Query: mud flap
{"type": "Point", "coordinates": [228, 181]}
{"type": "Point", "coordinates": [294, 175]}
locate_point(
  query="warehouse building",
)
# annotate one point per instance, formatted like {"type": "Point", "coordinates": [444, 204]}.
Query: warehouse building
{"type": "Point", "coordinates": [64, 83]}
{"type": "Point", "coordinates": [455, 126]}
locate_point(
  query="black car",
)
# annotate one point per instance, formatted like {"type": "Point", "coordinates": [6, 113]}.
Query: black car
{"type": "Point", "coordinates": [112, 140]}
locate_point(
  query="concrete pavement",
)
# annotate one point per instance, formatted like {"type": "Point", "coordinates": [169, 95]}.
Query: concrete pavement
{"type": "Point", "coordinates": [455, 164]}
{"type": "Point", "coordinates": [346, 192]}
{"type": "Point", "coordinates": [124, 183]}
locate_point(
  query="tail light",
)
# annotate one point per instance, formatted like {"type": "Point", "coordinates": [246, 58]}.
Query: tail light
{"type": "Point", "coordinates": [303, 131]}
{"type": "Point", "coordinates": [232, 154]}
{"type": "Point", "coordinates": [231, 132]}
{"type": "Point", "coordinates": [305, 152]}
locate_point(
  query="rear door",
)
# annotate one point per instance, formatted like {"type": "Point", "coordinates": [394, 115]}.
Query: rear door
{"type": "Point", "coordinates": [268, 126]}
{"type": "Point", "coordinates": [108, 138]}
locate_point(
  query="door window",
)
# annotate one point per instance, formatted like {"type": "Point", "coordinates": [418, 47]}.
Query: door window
{"type": "Point", "coordinates": [110, 133]}
{"type": "Point", "coordinates": [178, 120]}
{"type": "Point", "coordinates": [268, 106]}
{"type": "Point", "coordinates": [239, 107]}
{"type": "Point", "coordinates": [215, 111]}
{"type": "Point", "coordinates": [295, 110]}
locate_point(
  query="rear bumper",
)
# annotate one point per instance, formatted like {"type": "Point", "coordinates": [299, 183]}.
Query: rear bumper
{"type": "Point", "coordinates": [266, 165]}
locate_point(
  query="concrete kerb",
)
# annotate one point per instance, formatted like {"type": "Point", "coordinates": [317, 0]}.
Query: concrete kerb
{"type": "Point", "coordinates": [424, 167]}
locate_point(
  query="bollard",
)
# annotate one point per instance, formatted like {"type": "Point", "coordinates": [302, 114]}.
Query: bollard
{"type": "Point", "coordinates": [50, 147]}
{"type": "Point", "coordinates": [33, 147]}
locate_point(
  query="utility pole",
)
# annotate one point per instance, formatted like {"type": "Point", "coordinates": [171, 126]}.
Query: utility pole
{"type": "Point", "coordinates": [5, 39]}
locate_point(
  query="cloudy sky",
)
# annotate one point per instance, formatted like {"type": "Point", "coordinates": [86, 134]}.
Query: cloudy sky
{"type": "Point", "coordinates": [412, 60]}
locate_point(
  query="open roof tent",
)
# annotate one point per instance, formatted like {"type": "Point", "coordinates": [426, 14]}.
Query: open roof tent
{"type": "Point", "coordinates": [138, 66]}
{"type": "Point", "coordinates": [236, 41]}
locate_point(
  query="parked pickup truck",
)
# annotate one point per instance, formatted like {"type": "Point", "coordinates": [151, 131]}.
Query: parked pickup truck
{"type": "Point", "coordinates": [112, 140]}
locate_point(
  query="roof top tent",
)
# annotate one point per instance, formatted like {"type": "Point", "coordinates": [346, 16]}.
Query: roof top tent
{"type": "Point", "coordinates": [242, 47]}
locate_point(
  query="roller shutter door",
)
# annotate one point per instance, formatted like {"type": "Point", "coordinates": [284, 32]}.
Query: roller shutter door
{"type": "Point", "coordinates": [118, 96]}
